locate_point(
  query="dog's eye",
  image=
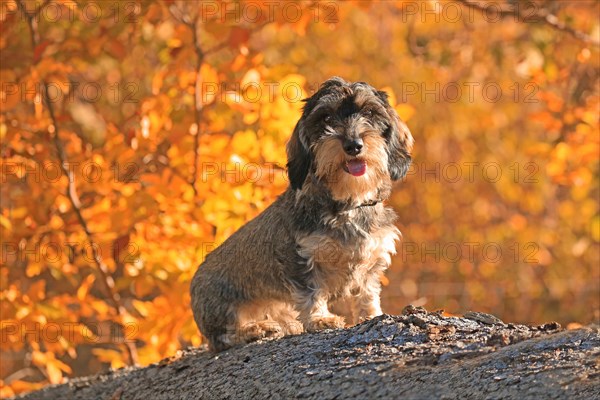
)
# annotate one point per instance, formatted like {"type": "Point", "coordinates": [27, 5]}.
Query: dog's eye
{"type": "Point", "coordinates": [327, 119]}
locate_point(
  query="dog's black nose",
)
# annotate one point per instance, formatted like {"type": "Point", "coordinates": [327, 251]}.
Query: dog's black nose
{"type": "Point", "coordinates": [353, 147]}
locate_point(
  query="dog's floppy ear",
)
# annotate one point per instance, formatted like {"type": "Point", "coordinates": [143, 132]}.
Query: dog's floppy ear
{"type": "Point", "coordinates": [329, 86]}
{"type": "Point", "coordinates": [334, 81]}
{"type": "Point", "coordinates": [399, 141]}
{"type": "Point", "coordinates": [299, 158]}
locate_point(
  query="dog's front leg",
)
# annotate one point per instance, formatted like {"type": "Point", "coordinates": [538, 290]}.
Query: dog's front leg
{"type": "Point", "coordinates": [367, 302]}
{"type": "Point", "coordinates": [314, 313]}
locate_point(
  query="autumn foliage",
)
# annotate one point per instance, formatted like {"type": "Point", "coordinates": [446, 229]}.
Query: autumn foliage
{"type": "Point", "coordinates": [137, 136]}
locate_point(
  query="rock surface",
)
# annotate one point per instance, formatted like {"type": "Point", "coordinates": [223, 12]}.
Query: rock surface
{"type": "Point", "coordinates": [417, 355]}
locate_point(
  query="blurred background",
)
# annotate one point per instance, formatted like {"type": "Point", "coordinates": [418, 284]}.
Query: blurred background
{"type": "Point", "coordinates": [136, 136]}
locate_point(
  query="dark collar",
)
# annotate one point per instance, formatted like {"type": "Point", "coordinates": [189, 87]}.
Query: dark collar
{"type": "Point", "coordinates": [345, 207]}
{"type": "Point", "coordinates": [369, 203]}
{"type": "Point", "coordinates": [338, 206]}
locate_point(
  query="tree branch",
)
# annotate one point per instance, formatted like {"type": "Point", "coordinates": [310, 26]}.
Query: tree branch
{"type": "Point", "coordinates": [193, 24]}
{"type": "Point", "coordinates": [542, 16]}
{"type": "Point", "coordinates": [106, 279]}
{"type": "Point", "coordinates": [198, 107]}
{"type": "Point", "coordinates": [182, 17]}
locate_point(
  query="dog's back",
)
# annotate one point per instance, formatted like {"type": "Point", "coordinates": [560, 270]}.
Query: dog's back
{"type": "Point", "coordinates": [248, 268]}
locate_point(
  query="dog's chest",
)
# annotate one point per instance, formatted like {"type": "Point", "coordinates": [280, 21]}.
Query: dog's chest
{"type": "Point", "coordinates": [339, 265]}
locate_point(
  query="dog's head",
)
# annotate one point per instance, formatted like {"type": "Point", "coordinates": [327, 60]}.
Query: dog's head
{"type": "Point", "coordinates": [350, 139]}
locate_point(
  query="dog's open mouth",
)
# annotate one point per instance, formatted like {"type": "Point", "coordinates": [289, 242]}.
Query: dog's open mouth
{"type": "Point", "coordinates": [355, 167]}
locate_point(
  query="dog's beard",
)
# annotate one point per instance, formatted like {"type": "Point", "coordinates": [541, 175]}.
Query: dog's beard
{"type": "Point", "coordinates": [354, 180]}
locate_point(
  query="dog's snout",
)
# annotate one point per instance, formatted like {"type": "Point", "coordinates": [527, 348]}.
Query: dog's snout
{"type": "Point", "coordinates": [353, 146]}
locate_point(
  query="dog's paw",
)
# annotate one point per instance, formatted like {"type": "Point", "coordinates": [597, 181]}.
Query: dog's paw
{"type": "Point", "coordinates": [362, 317]}
{"type": "Point", "coordinates": [260, 330]}
{"type": "Point", "coordinates": [293, 328]}
{"type": "Point", "coordinates": [328, 322]}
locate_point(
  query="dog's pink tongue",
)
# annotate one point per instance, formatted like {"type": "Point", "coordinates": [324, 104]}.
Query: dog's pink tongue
{"type": "Point", "coordinates": [357, 167]}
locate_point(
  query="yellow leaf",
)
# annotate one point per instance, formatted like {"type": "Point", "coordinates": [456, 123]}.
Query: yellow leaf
{"type": "Point", "coordinates": [251, 78]}
{"type": "Point", "coordinates": [54, 373]}
{"type": "Point", "coordinates": [245, 144]}
{"type": "Point", "coordinates": [5, 391]}
{"type": "Point", "coordinates": [38, 358]}
{"type": "Point", "coordinates": [209, 84]}
{"type": "Point", "coordinates": [250, 117]}
{"type": "Point", "coordinates": [5, 222]}
{"type": "Point", "coordinates": [34, 269]}
{"type": "Point", "coordinates": [114, 357]}
{"type": "Point", "coordinates": [37, 291]}
{"type": "Point", "coordinates": [595, 228]}
{"type": "Point", "coordinates": [141, 307]}
{"type": "Point", "coordinates": [84, 288]}
{"type": "Point", "coordinates": [23, 312]}
{"type": "Point", "coordinates": [19, 212]}
{"type": "Point", "coordinates": [391, 95]}
{"type": "Point", "coordinates": [405, 111]}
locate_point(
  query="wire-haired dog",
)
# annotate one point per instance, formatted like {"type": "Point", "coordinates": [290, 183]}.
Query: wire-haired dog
{"type": "Point", "coordinates": [327, 237]}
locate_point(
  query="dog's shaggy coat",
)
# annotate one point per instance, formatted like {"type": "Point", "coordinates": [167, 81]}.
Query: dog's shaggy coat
{"type": "Point", "coordinates": [328, 237]}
